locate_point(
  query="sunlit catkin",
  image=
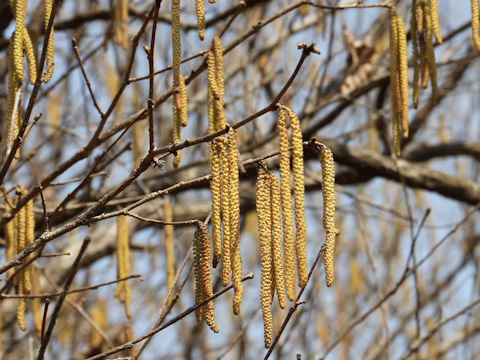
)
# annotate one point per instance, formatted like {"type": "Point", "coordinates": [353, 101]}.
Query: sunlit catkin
{"type": "Point", "coordinates": [236, 258]}
{"type": "Point", "coordinates": [227, 240]}
{"type": "Point", "coordinates": [216, 189]}
{"type": "Point", "coordinates": [17, 40]}
{"type": "Point", "coordinates": [183, 101]}
{"type": "Point", "coordinates": [200, 18]}
{"type": "Point", "coordinates": [207, 277]}
{"type": "Point", "coordinates": [218, 52]}
{"type": "Point", "coordinates": [434, 16]}
{"type": "Point", "coordinates": [22, 306]}
{"type": "Point", "coordinates": [475, 24]}
{"type": "Point", "coordinates": [287, 209]}
{"type": "Point", "coordinates": [177, 53]}
{"type": "Point", "coordinates": [394, 82]}
{"type": "Point", "coordinates": [299, 196]}
{"type": "Point", "coordinates": [123, 263]}
{"type": "Point", "coordinates": [32, 65]}
{"type": "Point", "coordinates": [197, 268]}
{"type": "Point", "coordinates": [277, 240]}
{"type": "Point", "coordinates": [416, 54]}
{"type": "Point", "coordinates": [430, 54]}
{"type": "Point", "coordinates": [403, 74]}
{"type": "Point", "coordinates": [328, 190]}
{"type": "Point", "coordinates": [50, 46]}
{"type": "Point", "coordinates": [169, 254]}
{"type": "Point", "coordinates": [265, 230]}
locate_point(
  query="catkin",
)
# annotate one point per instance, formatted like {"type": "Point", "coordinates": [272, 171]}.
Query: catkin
{"type": "Point", "coordinates": [199, 288]}
{"type": "Point", "coordinates": [169, 254]}
{"type": "Point", "coordinates": [234, 211]}
{"type": "Point", "coordinates": [207, 277]}
{"type": "Point", "coordinates": [430, 54]}
{"type": "Point", "coordinates": [123, 263]}
{"type": "Point", "coordinates": [99, 316]}
{"type": "Point", "coordinates": [200, 18]}
{"type": "Point", "coordinates": [32, 65]}
{"type": "Point", "coordinates": [10, 235]}
{"type": "Point", "coordinates": [277, 240]}
{"type": "Point", "coordinates": [403, 74]}
{"type": "Point", "coordinates": [394, 81]}
{"type": "Point", "coordinates": [50, 46]}
{"type": "Point", "coordinates": [29, 237]}
{"type": "Point", "coordinates": [177, 53]}
{"type": "Point", "coordinates": [298, 194]}
{"type": "Point", "coordinates": [216, 189]}
{"type": "Point", "coordinates": [219, 69]}
{"type": "Point", "coordinates": [22, 306]}
{"type": "Point", "coordinates": [265, 229]}
{"type": "Point", "coordinates": [328, 189]}
{"type": "Point", "coordinates": [183, 101]}
{"type": "Point", "coordinates": [17, 40]}
{"type": "Point", "coordinates": [416, 55]}
{"type": "Point", "coordinates": [434, 16]}
{"type": "Point", "coordinates": [227, 241]}
{"type": "Point", "coordinates": [475, 24]}
{"type": "Point", "coordinates": [287, 211]}
{"type": "Point", "coordinates": [20, 244]}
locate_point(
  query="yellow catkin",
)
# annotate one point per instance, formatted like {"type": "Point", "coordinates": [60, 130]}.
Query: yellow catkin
{"type": "Point", "coordinates": [177, 53]}
{"type": "Point", "coordinates": [21, 242]}
{"type": "Point", "coordinates": [394, 82]}
{"type": "Point", "coordinates": [99, 316]}
{"type": "Point", "coordinates": [328, 189]}
{"type": "Point", "coordinates": [299, 196]}
{"type": "Point", "coordinates": [216, 90]}
{"type": "Point", "coordinates": [22, 306]}
{"type": "Point", "coordinates": [475, 24]}
{"type": "Point", "coordinates": [432, 67]}
{"type": "Point", "coordinates": [227, 240]}
{"type": "Point", "coordinates": [207, 277]}
{"type": "Point", "coordinates": [197, 263]}
{"type": "Point", "coordinates": [36, 305]}
{"type": "Point", "coordinates": [216, 189]}
{"type": "Point", "coordinates": [424, 63]}
{"type": "Point", "coordinates": [219, 69]}
{"type": "Point", "coordinates": [123, 263]}
{"type": "Point", "coordinates": [17, 40]}
{"type": "Point", "coordinates": [415, 55]}
{"type": "Point", "coordinates": [50, 45]}
{"type": "Point", "coordinates": [276, 212]}
{"type": "Point", "coordinates": [32, 65]}
{"type": "Point", "coordinates": [435, 24]}
{"type": "Point", "coordinates": [200, 18]}
{"type": "Point", "coordinates": [183, 101]}
{"type": "Point", "coordinates": [287, 209]}
{"type": "Point", "coordinates": [418, 4]}
{"type": "Point", "coordinates": [121, 23]}
{"type": "Point", "coordinates": [29, 237]}
{"type": "Point", "coordinates": [169, 254]}
{"type": "Point", "coordinates": [403, 74]}
{"type": "Point", "coordinates": [234, 211]}
{"type": "Point", "coordinates": [265, 230]}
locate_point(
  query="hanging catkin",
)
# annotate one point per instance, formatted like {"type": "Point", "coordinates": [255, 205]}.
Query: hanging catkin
{"type": "Point", "coordinates": [416, 54]}
{"type": "Point", "coordinates": [227, 240]}
{"type": "Point", "coordinates": [434, 16]}
{"type": "Point", "coordinates": [29, 237]}
{"type": "Point", "coordinates": [197, 268]}
{"type": "Point", "coordinates": [22, 306]}
{"type": "Point", "coordinates": [395, 81]}
{"type": "Point", "coordinates": [169, 254]}
{"type": "Point", "coordinates": [328, 190]}
{"type": "Point", "coordinates": [287, 211]}
{"type": "Point", "coordinates": [50, 46]}
{"type": "Point", "coordinates": [430, 54]}
{"type": "Point", "coordinates": [177, 53]}
{"type": "Point", "coordinates": [236, 259]}
{"type": "Point", "coordinates": [403, 74]}
{"type": "Point", "coordinates": [299, 196]}
{"type": "Point", "coordinates": [265, 229]}
{"type": "Point", "coordinates": [10, 234]}
{"type": "Point", "coordinates": [475, 24]}
{"type": "Point", "coordinates": [183, 101]}
{"type": "Point", "coordinates": [216, 189]}
{"type": "Point", "coordinates": [123, 263]}
{"type": "Point", "coordinates": [200, 18]}
{"type": "Point", "coordinates": [277, 240]}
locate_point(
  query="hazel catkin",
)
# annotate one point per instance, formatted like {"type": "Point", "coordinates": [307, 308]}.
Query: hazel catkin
{"type": "Point", "coordinates": [328, 190]}
{"type": "Point", "coordinates": [475, 24]}
{"type": "Point", "coordinates": [287, 210]}
{"type": "Point", "coordinates": [225, 205]}
{"type": "Point", "coordinates": [200, 18]}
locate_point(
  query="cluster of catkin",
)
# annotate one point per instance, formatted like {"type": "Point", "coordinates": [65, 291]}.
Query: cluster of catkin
{"type": "Point", "coordinates": [120, 20]}
{"type": "Point", "coordinates": [269, 219]}
{"type": "Point", "coordinates": [423, 27]}
{"type": "Point", "coordinates": [122, 291]}
{"type": "Point", "coordinates": [398, 78]}
{"type": "Point", "coordinates": [180, 113]}
{"type": "Point", "coordinates": [224, 183]}
{"type": "Point", "coordinates": [20, 232]}
{"type": "Point", "coordinates": [203, 277]}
